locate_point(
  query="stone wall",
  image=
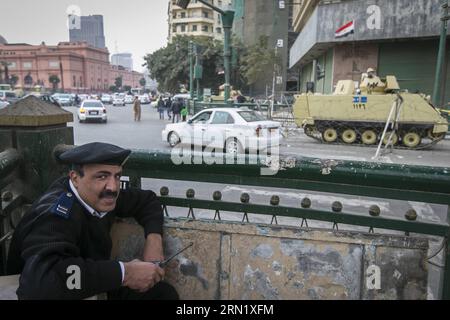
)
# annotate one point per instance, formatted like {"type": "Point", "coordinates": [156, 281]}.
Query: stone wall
{"type": "Point", "coordinates": [247, 262]}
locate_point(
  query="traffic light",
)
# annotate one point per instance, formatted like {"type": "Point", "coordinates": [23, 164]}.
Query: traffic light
{"type": "Point", "coordinates": [183, 3]}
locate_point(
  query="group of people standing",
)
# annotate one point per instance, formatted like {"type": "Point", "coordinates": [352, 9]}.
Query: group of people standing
{"type": "Point", "coordinates": [174, 109]}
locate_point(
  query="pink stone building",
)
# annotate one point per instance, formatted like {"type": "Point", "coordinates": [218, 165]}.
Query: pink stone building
{"type": "Point", "coordinates": [80, 67]}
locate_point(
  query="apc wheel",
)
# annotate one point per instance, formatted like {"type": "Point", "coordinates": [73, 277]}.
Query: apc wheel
{"type": "Point", "coordinates": [412, 139]}
{"type": "Point", "coordinates": [394, 138]}
{"type": "Point", "coordinates": [369, 137]}
{"type": "Point", "coordinates": [349, 136]}
{"type": "Point", "coordinates": [173, 139]}
{"type": "Point", "coordinates": [330, 135]}
{"type": "Point", "coordinates": [233, 147]}
{"type": "Point", "coordinates": [435, 136]}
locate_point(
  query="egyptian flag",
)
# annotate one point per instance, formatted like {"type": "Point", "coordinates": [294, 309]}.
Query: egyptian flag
{"type": "Point", "coordinates": [345, 30]}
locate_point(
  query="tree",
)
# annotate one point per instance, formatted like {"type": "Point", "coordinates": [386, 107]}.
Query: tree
{"type": "Point", "coordinates": [54, 80]}
{"type": "Point", "coordinates": [4, 69]}
{"type": "Point", "coordinates": [13, 80]}
{"type": "Point", "coordinates": [113, 89]}
{"type": "Point", "coordinates": [142, 82]}
{"type": "Point", "coordinates": [118, 82]}
{"type": "Point", "coordinates": [169, 66]}
{"type": "Point", "coordinates": [127, 88]}
{"type": "Point", "coordinates": [258, 61]}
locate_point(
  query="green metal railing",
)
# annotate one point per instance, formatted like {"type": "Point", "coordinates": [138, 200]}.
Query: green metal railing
{"type": "Point", "coordinates": [387, 181]}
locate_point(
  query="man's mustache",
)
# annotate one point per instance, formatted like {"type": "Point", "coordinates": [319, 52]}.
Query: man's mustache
{"type": "Point", "coordinates": [108, 194]}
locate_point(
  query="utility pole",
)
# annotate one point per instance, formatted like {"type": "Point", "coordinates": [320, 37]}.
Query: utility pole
{"type": "Point", "coordinates": [191, 69]}
{"type": "Point", "coordinates": [272, 104]}
{"type": "Point", "coordinates": [437, 92]}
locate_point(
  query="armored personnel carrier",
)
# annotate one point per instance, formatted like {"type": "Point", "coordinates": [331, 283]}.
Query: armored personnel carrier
{"type": "Point", "coordinates": [359, 114]}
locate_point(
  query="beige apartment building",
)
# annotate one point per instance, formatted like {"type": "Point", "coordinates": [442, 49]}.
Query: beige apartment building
{"type": "Point", "coordinates": [197, 20]}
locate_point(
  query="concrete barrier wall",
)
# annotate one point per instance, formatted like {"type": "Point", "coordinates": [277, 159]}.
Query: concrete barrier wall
{"type": "Point", "coordinates": [245, 261]}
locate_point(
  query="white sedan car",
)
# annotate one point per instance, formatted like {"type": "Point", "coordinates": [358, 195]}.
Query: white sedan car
{"type": "Point", "coordinates": [230, 129]}
{"type": "Point", "coordinates": [92, 110]}
{"type": "Point", "coordinates": [129, 99]}
{"type": "Point", "coordinates": [119, 101]}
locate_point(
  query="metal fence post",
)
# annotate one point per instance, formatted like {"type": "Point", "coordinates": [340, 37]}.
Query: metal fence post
{"type": "Point", "coordinates": [446, 282]}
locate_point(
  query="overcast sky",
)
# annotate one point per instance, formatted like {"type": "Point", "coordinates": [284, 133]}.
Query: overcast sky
{"type": "Point", "coordinates": [138, 26]}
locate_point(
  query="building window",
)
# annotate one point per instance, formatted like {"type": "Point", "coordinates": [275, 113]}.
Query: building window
{"type": "Point", "coordinates": [183, 14]}
{"type": "Point", "coordinates": [53, 64]}
{"type": "Point", "coordinates": [74, 82]}
{"type": "Point", "coordinates": [219, 30]}
{"type": "Point", "coordinates": [27, 65]}
{"type": "Point", "coordinates": [174, 15]}
{"type": "Point", "coordinates": [204, 28]}
{"type": "Point", "coordinates": [194, 27]}
{"type": "Point", "coordinates": [205, 14]}
{"type": "Point", "coordinates": [183, 28]}
{"type": "Point", "coordinates": [174, 29]}
{"type": "Point", "coordinates": [12, 65]}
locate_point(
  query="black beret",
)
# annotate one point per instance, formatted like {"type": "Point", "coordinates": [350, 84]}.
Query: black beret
{"type": "Point", "coordinates": [96, 153]}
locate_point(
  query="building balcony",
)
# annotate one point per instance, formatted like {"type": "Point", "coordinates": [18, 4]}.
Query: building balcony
{"type": "Point", "coordinates": [198, 19]}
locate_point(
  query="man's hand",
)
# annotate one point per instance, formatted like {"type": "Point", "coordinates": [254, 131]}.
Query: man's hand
{"type": "Point", "coordinates": [153, 249]}
{"type": "Point", "coordinates": [142, 276]}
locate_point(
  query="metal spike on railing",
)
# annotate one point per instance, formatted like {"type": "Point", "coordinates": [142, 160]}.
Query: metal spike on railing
{"type": "Point", "coordinates": [190, 194]}
{"type": "Point", "coordinates": [274, 201]}
{"type": "Point", "coordinates": [306, 204]}
{"type": "Point", "coordinates": [411, 215]}
{"type": "Point", "coordinates": [245, 199]}
{"type": "Point", "coordinates": [374, 211]}
{"type": "Point", "coordinates": [217, 196]}
{"type": "Point", "coordinates": [164, 191]}
{"type": "Point", "coordinates": [337, 208]}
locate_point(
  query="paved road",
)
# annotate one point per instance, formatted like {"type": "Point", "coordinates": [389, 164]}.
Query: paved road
{"type": "Point", "coordinates": [122, 130]}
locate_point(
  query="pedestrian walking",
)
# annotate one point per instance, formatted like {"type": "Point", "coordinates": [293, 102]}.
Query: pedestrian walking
{"type": "Point", "coordinates": [137, 109]}
{"type": "Point", "coordinates": [177, 105]}
{"type": "Point", "coordinates": [169, 107]}
{"type": "Point", "coordinates": [184, 113]}
{"type": "Point", "coordinates": [161, 108]}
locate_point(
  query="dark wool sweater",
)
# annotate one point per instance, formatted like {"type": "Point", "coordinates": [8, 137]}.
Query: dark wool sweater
{"type": "Point", "coordinates": [46, 243]}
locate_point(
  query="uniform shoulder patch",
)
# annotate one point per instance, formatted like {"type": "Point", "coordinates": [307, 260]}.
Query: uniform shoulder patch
{"type": "Point", "coordinates": [64, 204]}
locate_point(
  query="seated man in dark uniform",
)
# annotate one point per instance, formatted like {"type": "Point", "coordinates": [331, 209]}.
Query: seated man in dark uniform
{"type": "Point", "coordinates": [66, 234]}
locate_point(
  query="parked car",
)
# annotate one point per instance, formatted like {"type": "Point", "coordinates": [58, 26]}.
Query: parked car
{"type": "Point", "coordinates": [10, 96]}
{"type": "Point", "coordinates": [145, 99]}
{"type": "Point", "coordinates": [119, 100]}
{"type": "Point", "coordinates": [47, 98]}
{"type": "Point", "coordinates": [129, 99]}
{"type": "Point", "coordinates": [63, 99]}
{"type": "Point", "coordinates": [233, 130]}
{"type": "Point", "coordinates": [106, 99]}
{"type": "Point", "coordinates": [92, 110]}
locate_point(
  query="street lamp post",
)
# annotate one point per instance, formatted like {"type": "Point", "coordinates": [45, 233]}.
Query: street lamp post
{"type": "Point", "coordinates": [437, 92]}
{"type": "Point", "coordinates": [227, 23]}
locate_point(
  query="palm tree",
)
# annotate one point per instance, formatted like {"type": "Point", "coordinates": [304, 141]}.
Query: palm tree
{"type": "Point", "coordinates": [4, 64]}
{"type": "Point", "coordinates": [142, 82]}
{"type": "Point", "coordinates": [54, 80]}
